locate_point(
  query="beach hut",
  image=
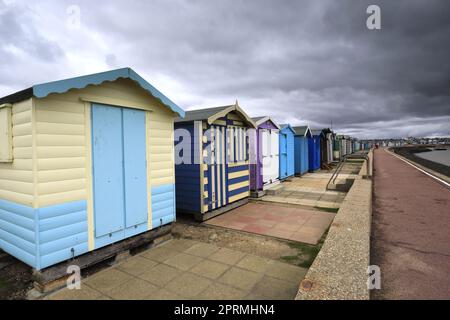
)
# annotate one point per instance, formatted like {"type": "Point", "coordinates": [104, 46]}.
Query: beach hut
{"type": "Point", "coordinates": [342, 146]}
{"type": "Point", "coordinates": [348, 145]}
{"type": "Point", "coordinates": [326, 147]}
{"type": "Point", "coordinates": [337, 148]}
{"type": "Point", "coordinates": [264, 152]}
{"type": "Point", "coordinates": [287, 150]}
{"type": "Point", "coordinates": [212, 160]}
{"type": "Point", "coordinates": [301, 152]}
{"type": "Point", "coordinates": [91, 164]}
{"type": "Point", "coordinates": [330, 145]}
{"type": "Point", "coordinates": [314, 150]}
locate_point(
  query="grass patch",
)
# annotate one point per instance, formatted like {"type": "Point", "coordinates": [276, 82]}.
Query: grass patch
{"type": "Point", "coordinates": [305, 253]}
{"type": "Point", "coordinates": [289, 258]}
{"type": "Point", "coordinates": [333, 210]}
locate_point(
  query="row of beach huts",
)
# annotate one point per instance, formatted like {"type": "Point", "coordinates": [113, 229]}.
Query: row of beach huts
{"type": "Point", "coordinates": [90, 161]}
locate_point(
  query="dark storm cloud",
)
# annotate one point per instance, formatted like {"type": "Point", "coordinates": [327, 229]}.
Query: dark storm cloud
{"type": "Point", "coordinates": [299, 61]}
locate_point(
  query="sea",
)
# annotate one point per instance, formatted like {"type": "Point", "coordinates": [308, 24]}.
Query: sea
{"type": "Point", "coordinates": [439, 156]}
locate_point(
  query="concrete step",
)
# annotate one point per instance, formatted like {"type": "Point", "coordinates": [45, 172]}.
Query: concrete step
{"type": "Point", "coordinates": [342, 186]}
{"type": "Point", "coordinates": [257, 194]}
{"type": "Point", "coordinates": [274, 190]}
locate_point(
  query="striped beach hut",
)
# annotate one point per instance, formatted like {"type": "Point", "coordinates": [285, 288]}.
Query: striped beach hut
{"type": "Point", "coordinates": [89, 163]}
{"type": "Point", "coordinates": [301, 149]}
{"type": "Point", "coordinates": [287, 151]}
{"type": "Point", "coordinates": [264, 154]}
{"type": "Point", "coordinates": [212, 160]}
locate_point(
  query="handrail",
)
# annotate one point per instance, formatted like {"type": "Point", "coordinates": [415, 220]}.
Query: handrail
{"type": "Point", "coordinates": [338, 167]}
{"type": "Point", "coordinates": [341, 163]}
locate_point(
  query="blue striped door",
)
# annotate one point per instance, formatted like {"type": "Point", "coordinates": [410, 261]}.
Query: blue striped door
{"type": "Point", "coordinates": [107, 161]}
{"type": "Point", "coordinates": [217, 172]}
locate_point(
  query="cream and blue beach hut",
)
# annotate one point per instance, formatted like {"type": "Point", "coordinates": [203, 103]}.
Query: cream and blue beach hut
{"type": "Point", "coordinates": [85, 162]}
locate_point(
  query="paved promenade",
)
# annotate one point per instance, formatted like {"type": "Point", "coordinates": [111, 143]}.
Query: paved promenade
{"type": "Point", "coordinates": [410, 231]}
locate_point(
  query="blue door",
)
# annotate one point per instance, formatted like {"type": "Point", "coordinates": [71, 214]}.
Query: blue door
{"type": "Point", "coordinates": [107, 161]}
{"type": "Point", "coordinates": [283, 156]}
{"type": "Point", "coordinates": [119, 171]}
{"type": "Point", "coordinates": [135, 167]}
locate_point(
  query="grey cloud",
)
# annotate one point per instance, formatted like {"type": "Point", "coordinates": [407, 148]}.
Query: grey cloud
{"type": "Point", "coordinates": [299, 61]}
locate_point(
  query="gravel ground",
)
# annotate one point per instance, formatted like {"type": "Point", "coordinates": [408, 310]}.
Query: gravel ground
{"type": "Point", "coordinates": [15, 278]}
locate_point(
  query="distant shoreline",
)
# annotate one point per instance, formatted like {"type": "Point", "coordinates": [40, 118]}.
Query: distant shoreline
{"type": "Point", "coordinates": [410, 154]}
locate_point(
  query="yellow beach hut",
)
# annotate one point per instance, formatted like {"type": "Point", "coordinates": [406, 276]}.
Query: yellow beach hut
{"type": "Point", "coordinates": [84, 162]}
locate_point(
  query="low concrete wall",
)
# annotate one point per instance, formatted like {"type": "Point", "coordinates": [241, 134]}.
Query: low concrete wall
{"type": "Point", "coordinates": [340, 269]}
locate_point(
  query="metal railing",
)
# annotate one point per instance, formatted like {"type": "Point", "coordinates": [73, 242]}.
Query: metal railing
{"type": "Point", "coordinates": [342, 162]}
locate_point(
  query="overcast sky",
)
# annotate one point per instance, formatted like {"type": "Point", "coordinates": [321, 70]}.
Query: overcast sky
{"type": "Point", "coordinates": [298, 61]}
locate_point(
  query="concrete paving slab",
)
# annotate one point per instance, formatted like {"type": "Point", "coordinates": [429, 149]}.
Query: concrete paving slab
{"type": "Point", "coordinates": [136, 265]}
{"type": "Point", "coordinates": [183, 261]}
{"type": "Point", "coordinates": [163, 294]}
{"type": "Point", "coordinates": [188, 285]}
{"type": "Point", "coordinates": [254, 263]}
{"type": "Point", "coordinates": [240, 278]}
{"type": "Point", "coordinates": [107, 280]}
{"type": "Point", "coordinates": [160, 254]}
{"type": "Point", "coordinates": [227, 256]}
{"type": "Point", "coordinates": [202, 250]}
{"type": "Point", "coordinates": [225, 274]}
{"type": "Point", "coordinates": [218, 291]}
{"type": "Point", "coordinates": [285, 271]}
{"type": "Point", "coordinates": [135, 289]}
{"type": "Point", "coordinates": [160, 275]}
{"type": "Point", "coordinates": [276, 289]}
{"type": "Point", "coordinates": [275, 220]}
{"type": "Point", "coordinates": [179, 244]}
{"type": "Point", "coordinates": [210, 269]}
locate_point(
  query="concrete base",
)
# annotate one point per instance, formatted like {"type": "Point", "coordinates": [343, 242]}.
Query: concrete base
{"type": "Point", "coordinates": [55, 277]}
{"type": "Point", "coordinates": [214, 213]}
{"type": "Point", "coordinates": [257, 194]}
{"type": "Point", "coordinates": [275, 190]}
{"type": "Point", "coordinates": [271, 185]}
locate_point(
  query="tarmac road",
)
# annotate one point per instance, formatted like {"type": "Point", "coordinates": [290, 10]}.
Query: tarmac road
{"type": "Point", "coordinates": [410, 231]}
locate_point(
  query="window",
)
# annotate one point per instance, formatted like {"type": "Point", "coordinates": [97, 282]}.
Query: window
{"type": "Point", "coordinates": [5, 133]}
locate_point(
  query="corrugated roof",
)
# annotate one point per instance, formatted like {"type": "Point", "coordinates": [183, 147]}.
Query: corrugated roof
{"type": "Point", "coordinates": [61, 86]}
